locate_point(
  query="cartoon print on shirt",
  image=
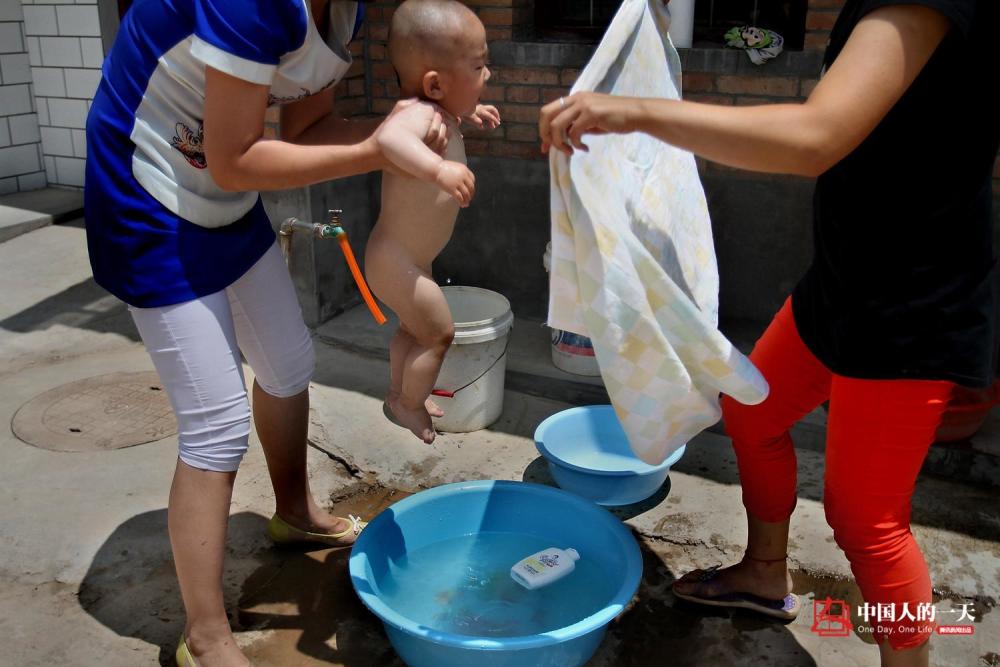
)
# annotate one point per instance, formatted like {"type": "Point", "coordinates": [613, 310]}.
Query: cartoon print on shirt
{"type": "Point", "coordinates": [190, 144]}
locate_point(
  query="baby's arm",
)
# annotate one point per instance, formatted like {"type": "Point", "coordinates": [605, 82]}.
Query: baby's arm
{"type": "Point", "coordinates": [401, 142]}
{"type": "Point", "coordinates": [485, 117]}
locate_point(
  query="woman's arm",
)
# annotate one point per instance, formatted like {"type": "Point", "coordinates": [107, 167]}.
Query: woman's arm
{"type": "Point", "coordinates": [313, 121]}
{"type": "Point", "coordinates": [880, 60]}
{"type": "Point", "coordinates": [240, 159]}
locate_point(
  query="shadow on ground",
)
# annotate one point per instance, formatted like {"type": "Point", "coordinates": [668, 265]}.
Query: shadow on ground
{"type": "Point", "coordinates": [658, 629]}
{"type": "Point", "coordinates": [130, 586]}
{"type": "Point", "coordinates": [85, 305]}
{"type": "Point", "coordinates": [303, 598]}
{"type": "Point", "coordinates": [538, 472]}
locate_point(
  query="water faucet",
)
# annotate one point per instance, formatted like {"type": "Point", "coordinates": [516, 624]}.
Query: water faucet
{"type": "Point", "coordinates": [329, 230]}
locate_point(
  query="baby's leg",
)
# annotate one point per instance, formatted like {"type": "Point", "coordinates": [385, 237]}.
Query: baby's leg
{"type": "Point", "coordinates": [429, 319]}
{"type": "Point", "coordinates": [399, 348]}
{"type": "Point", "coordinates": [407, 288]}
{"type": "Point", "coordinates": [423, 311]}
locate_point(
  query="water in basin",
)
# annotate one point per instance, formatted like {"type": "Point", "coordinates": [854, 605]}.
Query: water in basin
{"type": "Point", "coordinates": [462, 585]}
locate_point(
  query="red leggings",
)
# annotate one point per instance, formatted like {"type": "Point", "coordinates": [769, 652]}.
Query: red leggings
{"type": "Point", "coordinates": [878, 434]}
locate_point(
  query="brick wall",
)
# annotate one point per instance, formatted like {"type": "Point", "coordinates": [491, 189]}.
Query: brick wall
{"type": "Point", "coordinates": [528, 74]}
{"type": "Point", "coordinates": [20, 152]}
{"type": "Point", "coordinates": [518, 89]}
{"type": "Point", "coordinates": [820, 18]}
{"type": "Point", "coordinates": [66, 52]}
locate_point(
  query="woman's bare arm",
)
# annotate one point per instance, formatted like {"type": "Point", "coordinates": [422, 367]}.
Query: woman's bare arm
{"type": "Point", "coordinates": [240, 159]}
{"type": "Point", "coordinates": [315, 145]}
{"type": "Point", "coordinates": [313, 121]}
{"type": "Point", "coordinates": [880, 60]}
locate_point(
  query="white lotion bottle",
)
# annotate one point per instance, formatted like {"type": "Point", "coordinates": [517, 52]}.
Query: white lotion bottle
{"type": "Point", "coordinates": [544, 567]}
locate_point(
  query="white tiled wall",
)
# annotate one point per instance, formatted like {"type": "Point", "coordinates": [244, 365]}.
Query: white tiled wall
{"type": "Point", "coordinates": [20, 148]}
{"type": "Point", "coordinates": [63, 41]}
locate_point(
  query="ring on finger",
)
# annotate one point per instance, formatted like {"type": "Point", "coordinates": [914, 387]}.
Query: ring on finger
{"type": "Point", "coordinates": [562, 102]}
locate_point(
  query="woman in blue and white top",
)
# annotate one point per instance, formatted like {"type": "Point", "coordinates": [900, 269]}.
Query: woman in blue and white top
{"type": "Point", "coordinates": [176, 229]}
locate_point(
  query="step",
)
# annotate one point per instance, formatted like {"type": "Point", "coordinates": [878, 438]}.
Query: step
{"type": "Point", "coordinates": [529, 363]}
{"type": "Point", "coordinates": [23, 212]}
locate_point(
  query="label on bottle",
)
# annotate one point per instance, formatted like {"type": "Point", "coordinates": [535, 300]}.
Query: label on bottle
{"type": "Point", "coordinates": [549, 560]}
{"type": "Point", "coordinates": [534, 565]}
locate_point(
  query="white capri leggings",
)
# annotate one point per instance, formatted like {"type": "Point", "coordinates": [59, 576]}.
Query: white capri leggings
{"type": "Point", "coordinates": [196, 348]}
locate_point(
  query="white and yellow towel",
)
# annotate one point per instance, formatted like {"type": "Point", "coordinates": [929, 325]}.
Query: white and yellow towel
{"type": "Point", "coordinates": [633, 263]}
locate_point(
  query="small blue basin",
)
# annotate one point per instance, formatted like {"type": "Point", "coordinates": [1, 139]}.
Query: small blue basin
{"type": "Point", "coordinates": [433, 520]}
{"type": "Point", "coordinates": [588, 454]}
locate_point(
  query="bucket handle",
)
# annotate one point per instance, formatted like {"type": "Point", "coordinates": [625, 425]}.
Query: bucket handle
{"type": "Point", "coordinates": [444, 393]}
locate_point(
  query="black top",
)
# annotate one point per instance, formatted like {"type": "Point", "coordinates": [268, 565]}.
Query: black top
{"type": "Point", "coordinates": [901, 284]}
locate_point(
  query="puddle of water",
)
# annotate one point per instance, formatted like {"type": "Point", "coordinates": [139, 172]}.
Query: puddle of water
{"type": "Point", "coordinates": [367, 501]}
{"type": "Point", "coordinates": [305, 601]}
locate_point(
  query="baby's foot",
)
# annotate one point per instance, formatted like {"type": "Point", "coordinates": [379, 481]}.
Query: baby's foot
{"type": "Point", "coordinates": [433, 409]}
{"type": "Point", "coordinates": [417, 420]}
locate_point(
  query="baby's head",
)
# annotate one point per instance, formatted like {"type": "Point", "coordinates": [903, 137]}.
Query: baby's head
{"type": "Point", "coordinates": [438, 48]}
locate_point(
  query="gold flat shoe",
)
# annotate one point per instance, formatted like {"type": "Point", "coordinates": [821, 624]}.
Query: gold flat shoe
{"type": "Point", "coordinates": [282, 532]}
{"type": "Point", "coordinates": [183, 655]}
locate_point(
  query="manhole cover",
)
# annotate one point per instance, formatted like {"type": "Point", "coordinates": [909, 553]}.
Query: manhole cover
{"type": "Point", "coordinates": [104, 412]}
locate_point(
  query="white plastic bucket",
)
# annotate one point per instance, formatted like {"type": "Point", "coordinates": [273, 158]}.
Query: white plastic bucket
{"type": "Point", "coordinates": [574, 353]}
{"type": "Point", "coordinates": [477, 361]}
{"type": "Point", "coordinates": [681, 23]}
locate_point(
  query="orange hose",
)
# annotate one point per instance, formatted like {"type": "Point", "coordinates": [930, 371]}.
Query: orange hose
{"type": "Point", "coordinates": [360, 279]}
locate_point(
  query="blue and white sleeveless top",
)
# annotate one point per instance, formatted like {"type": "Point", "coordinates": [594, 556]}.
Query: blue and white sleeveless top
{"type": "Point", "coordinates": [159, 230]}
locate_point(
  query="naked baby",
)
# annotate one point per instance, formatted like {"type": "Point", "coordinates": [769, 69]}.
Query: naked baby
{"type": "Point", "coordinates": [438, 48]}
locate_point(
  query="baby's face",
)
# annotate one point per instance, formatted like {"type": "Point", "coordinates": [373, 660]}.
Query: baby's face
{"type": "Point", "coordinates": [469, 73]}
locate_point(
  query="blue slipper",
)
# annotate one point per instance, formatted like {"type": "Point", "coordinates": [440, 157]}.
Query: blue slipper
{"type": "Point", "coordinates": [786, 609]}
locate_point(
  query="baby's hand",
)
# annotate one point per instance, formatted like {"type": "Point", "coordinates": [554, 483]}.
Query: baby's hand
{"type": "Point", "coordinates": [457, 181]}
{"type": "Point", "coordinates": [485, 116]}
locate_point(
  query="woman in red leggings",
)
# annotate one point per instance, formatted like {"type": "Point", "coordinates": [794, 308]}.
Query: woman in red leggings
{"type": "Point", "coordinates": [895, 311]}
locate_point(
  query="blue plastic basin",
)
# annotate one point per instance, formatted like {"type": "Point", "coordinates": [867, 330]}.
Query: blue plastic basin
{"type": "Point", "coordinates": [588, 454]}
{"type": "Point", "coordinates": [467, 508]}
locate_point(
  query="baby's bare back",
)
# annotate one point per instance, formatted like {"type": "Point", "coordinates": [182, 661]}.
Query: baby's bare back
{"type": "Point", "coordinates": [416, 215]}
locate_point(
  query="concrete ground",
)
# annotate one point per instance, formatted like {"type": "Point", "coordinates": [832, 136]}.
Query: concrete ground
{"type": "Point", "coordinates": [85, 563]}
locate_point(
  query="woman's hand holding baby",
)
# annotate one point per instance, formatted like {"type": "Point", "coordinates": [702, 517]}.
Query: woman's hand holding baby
{"type": "Point", "coordinates": [436, 134]}
{"type": "Point", "coordinates": [457, 181]}
{"type": "Point", "coordinates": [409, 137]}
{"type": "Point", "coordinates": [427, 123]}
